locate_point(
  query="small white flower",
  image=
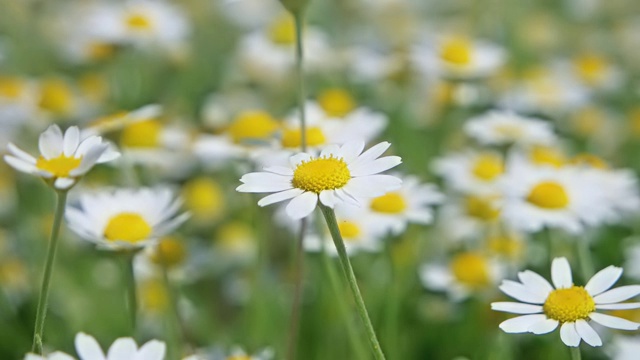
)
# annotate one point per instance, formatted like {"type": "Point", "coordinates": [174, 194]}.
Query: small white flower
{"type": "Point", "coordinates": [545, 307]}
{"type": "Point", "coordinates": [125, 218]}
{"type": "Point", "coordinates": [505, 127]}
{"type": "Point", "coordinates": [340, 174]}
{"type": "Point", "coordinates": [122, 349]}
{"type": "Point", "coordinates": [471, 172]}
{"type": "Point", "coordinates": [53, 356]}
{"type": "Point", "coordinates": [63, 159]}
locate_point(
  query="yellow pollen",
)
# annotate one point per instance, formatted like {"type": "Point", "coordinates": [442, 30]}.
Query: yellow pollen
{"type": "Point", "coordinates": [542, 155]}
{"type": "Point", "coordinates": [325, 173]}
{"type": "Point", "coordinates": [138, 21]}
{"type": "Point", "coordinates": [457, 51]}
{"type": "Point", "coordinates": [283, 31]}
{"type": "Point", "coordinates": [60, 166]}
{"type": "Point", "coordinates": [336, 102]}
{"type": "Point", "coordinates": [487, 167]}
{"type": "Point", "coordinates": [591, 67]}
{"type": "Point", "coordinates": [471, 269]}
{"type": "Point", "coordinates": [569, 305]}
{"type": "Point", "coordinates": [482, 208]}
{"type": "Point", "coordinates": [292, 138]}
{"type": "Point", "coordinates": [549, 195]}
{"type": "Point", "coordinates": [11, 87]}
{"type": "Point", "coordinates": [252, 125]}
{"type": "Point", "coordinates": [204, 198]}
{"type": "Point", "coordinates": [143, 134]}
{"type": "Point", "coordinates": [349, 230]}
{"type": "Point", "coordinates": [169, 252]}
{"type": "Point", "coordinates": [390, 203]}
{"type": "Point", "coordinates": [129, 227]}
{"type": "Point", "coordinates": [56, 96]}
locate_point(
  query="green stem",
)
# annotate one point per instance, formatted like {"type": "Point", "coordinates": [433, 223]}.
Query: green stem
{"type": "Point", "coordinates": [43, 301]}
{"type": "Point", "coordinates": [298, 18]}
{"type": "Point", "coordinates": [294, 324]}
{"type": "Point", "coordinates": [132, 299]}
{"type": "Point", "coordinates": [575, 353]}
{"type": "Point", "coordinates": [175, 326]}
{"type": "Point", "coordinates": [332, 223]}
{"type": "Point", "coordinates": [342, 307]}
{"type": "Point", "coordinates": [586, 261]}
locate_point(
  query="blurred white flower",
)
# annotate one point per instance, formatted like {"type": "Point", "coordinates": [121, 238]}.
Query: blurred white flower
{"type": "Point", "coordinates": [506, 128]}
{"type": "Point", "coordinates": [471, 171]}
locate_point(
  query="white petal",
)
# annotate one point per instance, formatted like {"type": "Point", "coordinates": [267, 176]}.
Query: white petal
{"type": "Point", "coordinates": [535, 283]}
{"type": "Point", "coordinates": [603, 280]}
{"type": "Point", "coordinates": [520, 292]}
{"type": "Point", "coordinates": [20, 164]}
{"type": "Point", "coordinates": [280, 170]}
{"type": "Point", "coordinates": [262, 182]}
{"type": "Point", "coordinates": [109, 155]}
{"type": "Point", "coordinates": [520, 324]}
{"type": "Point", "coordinates": [20, 154]}
{"type": "Point", "coordinates": [621, 306]}
{"type": "Point", "coordinates": [50, 142]}
{"type": "Point", "coordinates": [561, 273]}
{"type": "Point", "coordinates": [613, 322]}
{"type": "Point", "coordinates": [328, 198]}
{"type": "Point", "coordinates": [544, 327]}
{"type": "Point", "coordinates": [621, 293]}
{"type": "Point", "coordinates": [330, 150]}
{"type": "Point", "coordinates": [516, 308]}
{"type": "Point", "coordinates": [302, 205]}
{"type": "Point", "coordinates": [296, 159]}
{"type": "Point", "coordinates": [372, 186]}
{"type": "Point", "coordinates": [370, 154]}
{"type": "Point", "coordinates": [64, 183]}
{"type": "Point", "coordinates": [587, 333]}
{"type": "Point", "coordinates": [569, 335]}
{"type": "Point", "coordinates": [123, 348]}
{"type": "Point", "coordinates": [376, 166]}
{"type": "Point", "coordinates": [88, 348]}
{"type": "Point", "coordinates": [89, 160]}
{"type": "Point", "coordinates": [279, 196]}
{"type": "Point", "coordinates": [59, 356]}
{"type": "Point", "coordinates": [71, 141]}
{"type": "Point", "coordinates": [351, 150]}
{"type": "Point", "coordinates": [87, 144]}
{"type": "Point", "coordinates": [153, 350]}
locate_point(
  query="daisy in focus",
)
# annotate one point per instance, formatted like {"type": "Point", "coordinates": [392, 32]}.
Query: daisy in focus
{"type": "Point", "coordinates": [545, 307]}
{"type": "Point", "coordinates": [506, 128]}
{"type": "Point", "coordinates": [125, 219]}
{"type": "Point", "coordinates": [341, 174]}
{"type": "Point", "coordinates": [64, 158]}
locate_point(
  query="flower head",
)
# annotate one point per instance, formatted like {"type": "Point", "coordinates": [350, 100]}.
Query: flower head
{"type": "Point", "coordinates": [340, 174]}
{"type": "Point", "coordinates": [545, 307]}
{"type": "Point", "coordinates": [64, 158]}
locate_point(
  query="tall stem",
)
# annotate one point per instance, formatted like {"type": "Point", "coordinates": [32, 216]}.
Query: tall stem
{"type": "Point", "coordinates": [298, 18]}
{"type": "Point", "coordinates": [43, 301]}
{"type": "Point", "coordinates": [332, 223]}
{"type": "Point", "coordinates": [586, 262]}
{"type": "Point", "coordinates": [176, 324]}
{"type": "Point", "coordinates": [132, 299]}
{"type": "Point", "coordinates": [575, 353]}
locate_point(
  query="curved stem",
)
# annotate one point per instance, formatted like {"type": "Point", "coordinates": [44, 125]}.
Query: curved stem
{"type": "Point", "coordinates": [332, 223]}
{"type": "Point", "coordinates": [43, 301]}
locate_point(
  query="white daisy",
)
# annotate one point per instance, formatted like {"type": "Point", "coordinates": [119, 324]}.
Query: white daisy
{"type": "Point", "coordinates": [125, 218]}
{"type": "Point", "coordinates": [410, 204]}
{"type": "Point", "coordinates": [64, 158]}
{"type": "Point", "coordinates": [470, 216]}
{"type": "Point", "coordinates": [545, 307]}
{"type": "Point", "coordinates": [53, 356]}
{"type": "Point", "coordinates": [471, 171]}
{"type": "Point", "coordinates": [340, 174]}
{"type": "Point", "coordinates": [505, 127]}
{"type": "Point", "coordinates": [153, 23]}
{"type": "Point", "coordinates": [122, 349]}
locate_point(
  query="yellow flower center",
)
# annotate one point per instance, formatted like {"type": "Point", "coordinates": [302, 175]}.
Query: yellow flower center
{"type": "Point", "coordinates": [203, 197]}
{"type": "Point", "coordinates": [60, 166]}
{"type": "Point", "coordinates": [154, 296]}
{"type": "Point", "coordinates": [11, 87]}
{"type": "Point", "coordinates": [457, 51]}
{"type": "Point", "coordinates": [236, 237]}
{"type": "Point", "coordinates": [252, 125]}
{"type": "Point", "coordinates": [145, 133]}
{"type": "Point", "coordinates": [507, 246]}
{"type": "Point", "coordinates": [488, 166]}
{"type": "Point", "coordinates": [590, 160]}
{"type": "Point", "coordinates": [591, 67]}
{"type": "Point", "coordinates": [511, 131]}
{"type": "Point", "coordinates": [100, 50]}
{"type": "Point", "coordinates": [292, 138]}
{"type": "Point", "coordinates": [283, 30]}
{"type": "Point", "coordinates": [239, 357]}
{"type": "Point", "coordinates": [390, 203]}
{"type": "Point", "coordinates": [471, 269]}
{"type": "Point", "coordinates": [482, 208]}
{"type": "Point", "coordinates": [336, 102]}
{"type": "Point", "coordinates": [569, 305]}
{"type": "Point", "coordinates": [137, 21]}
{"type": "Point", "coordinates": [94, 85]}
{"type": "Point", "coordinates": [542, 155]}
{"type": "Point", "coordinates": [549, 195]}
{"type": "Point", "coordinates": [349, 230]}
{"type": "Point", "coordinates": [169, 252]}
{"type": "Point", "coordinates": [325, 173]}
{"type": "Point", "coordinates": [129, 227]}
{"type": "Point", "coordinates": [56, 96]}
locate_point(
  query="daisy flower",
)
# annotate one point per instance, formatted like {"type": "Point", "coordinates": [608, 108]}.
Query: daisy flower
{"type": "Point", "coordinates": [545, 307]}
{"type": "Point", "coordinates": [53, 356]}
{"type": "Point", "coordinates": [125, 218]}
{"type": "Point", "coordinates": [340, 174]}
{"type": "Point", "coordinates": [505, 128]}
{"type": "Point", "coordinates": [470, 171]}
{"type": "Point", "coordinates": [64, 158]}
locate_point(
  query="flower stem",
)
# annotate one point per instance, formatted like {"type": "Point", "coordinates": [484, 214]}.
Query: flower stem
{"type": "Point", "coordinates": [298, 18]}
{"type": "Point", "coordinates": [330, 217]}
{"type": "Point", "coordinates": [586, 261]}
{"type": "Point", "coordinates": [175, 325]}
{"type": "Point", "coordinates": [575, 353]}
{"type": "Point", "coordinates": [132, 299]}
{"type": "Point", "coordinates": [43, 301]}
